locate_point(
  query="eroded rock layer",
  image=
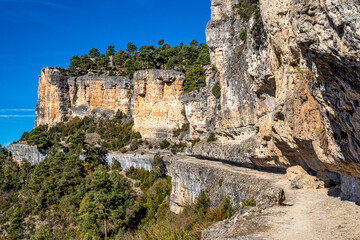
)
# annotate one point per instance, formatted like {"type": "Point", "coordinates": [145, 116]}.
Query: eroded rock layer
{"type": "Point", "coordinates": [157, 110]}
{"type": "Point", "coordinates": [289, 77]}
{"type": "Point", "coordinates": [289, 88]}
{"type": "Point", "coordinates": [21, 151]}
{"type": "Point", "coordinates": [62, 97]}
{"type": "Point", "coordinates": [190, 176]}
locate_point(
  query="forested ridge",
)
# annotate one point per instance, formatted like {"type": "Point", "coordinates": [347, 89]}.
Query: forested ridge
{"type": "Point", "coordinates": [74, 194]}
{"type": "Point", "coordinates": [189, 59]}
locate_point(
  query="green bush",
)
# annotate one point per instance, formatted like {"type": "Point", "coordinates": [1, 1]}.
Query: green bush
{"type": "Point", "coordinates": [194, 141]}
{"type": "Point", "coordinates": [137, 135]}
{"type": "Point", "coordinates": [216, 90]}
{"type": "Point", "coordinates": [185, 127]}
{"type": "Point", "coordinates": [134, 146]}
{"type": "Point", "coordinates": [158, 168]}
{"type": "Point", "coordinates": [178, 147]}
{"type": "Point", "coordinates": [246, 9]}
{"type": "Point", "coordinates": [164, 144]}
{"type": "Point", "coordinates": [211, 137]}
{"type": "Point", "coordinates": [248, 202]}
{"type": "Point", "coordinates": [243, 35]}
{"type": "Point", "coordinates": [220, 181]}
{"type": "Point", "coordinates": [226, 208]}
{"type": "Point", "coordinates": [202, 204]}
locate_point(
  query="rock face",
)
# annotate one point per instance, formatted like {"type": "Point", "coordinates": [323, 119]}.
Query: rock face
{"type": "Point", "coordinates": [128, 160]}
{"type": "Point", "coordinates": [156, 109]}
{"type": "Point", "coordinates": [20, 151]}
{"type": "Point", "coordinates": [289, 90]}
{"type": "Point", "coordinates": [53, 96]}
{"type": "Point", "coordinates": [60, 96]}
{"type": "Point", "coordinates": [299, 179]}
{"type": "Point", "coordinates": [190, 176]}
{"type": "Point", "coordinates": [98, 94]}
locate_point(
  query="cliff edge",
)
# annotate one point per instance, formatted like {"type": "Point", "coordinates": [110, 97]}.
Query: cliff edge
{"type": "Point", "coordinates": [283, 90]}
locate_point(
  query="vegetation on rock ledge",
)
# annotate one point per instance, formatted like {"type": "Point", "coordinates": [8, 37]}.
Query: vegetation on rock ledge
{"type": "Point", "coordinates": [188, 59]}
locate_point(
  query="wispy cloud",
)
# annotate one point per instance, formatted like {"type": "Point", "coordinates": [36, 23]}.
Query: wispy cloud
{"type": "Point", "coordinates": [17, 110]}
{"type": "Point", "coordinates": [17, 116]}
{"type": "Point", "coordinates": [44, 3]}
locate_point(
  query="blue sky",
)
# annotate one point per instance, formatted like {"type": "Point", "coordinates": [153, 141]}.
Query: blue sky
{"type": "Point", "coordinates": [39, 33]}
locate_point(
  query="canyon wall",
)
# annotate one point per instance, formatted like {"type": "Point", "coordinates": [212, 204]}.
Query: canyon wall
{"type": "Point", "coordinates": [190, 176]}
{"type": "Point", "coordinates": [61, 97]}
{"type": "Point", "coordinates": [289, 75]}
{"type": "Point", "coordinates": [155, 106]}
{"type": "Point", "coordinates": [289, 89]}
{"type": "Point", "coordinates": [156, 109]}
{"type": "Point", "coordinates": [128, 160]}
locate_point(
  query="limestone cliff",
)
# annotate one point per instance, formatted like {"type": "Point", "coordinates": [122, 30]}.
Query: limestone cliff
{"type": "Point", "coordinates": [20, 151]}
{"type": "Point", "coordinates": [157, 110]}
{"type": "Point", "coordinates": [290, 90]}
{"type": "Point", "coordinates": [191, 175]}
{"type": "Point", "coordinates": [53, 96]}
{"type": "Point", "coordinates": [62, 96]}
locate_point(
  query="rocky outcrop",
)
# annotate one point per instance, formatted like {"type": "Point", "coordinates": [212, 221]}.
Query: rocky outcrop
{"type": "Point", "coordinates": [190, 176]}
{"type": "Point", "coordinates": [128, 160]}
{"type": "Point", "coordinates": [53, 96]}
{"type": "Point", "coordinates": [62, 97]}
{"type": "Point", "coordinates": [156, 109]}
{"type": "Point", "coordinates": [20, 151]}
{"type": "Point", "coordinates": [155, 96]}
{"type": "Point", "coordinates": [289, 86]}
{"type": "Point", "coordinates": [98, 94]}
{"type": "Point", "coordinates": [300, 179]}
{"type": "Point", "coordinates": [289, 76]}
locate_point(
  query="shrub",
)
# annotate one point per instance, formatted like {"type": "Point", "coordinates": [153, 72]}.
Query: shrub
{"type": "Point", "coordinates": [134, 146]}
{"type": "Point", "coordinates": [185, 127]}
{"type": "Point", "coordinates": [211, 137]}
{"type": "Point", "coordinates": [243, 35]}
{"type": "Point", "coordinates": [116, 165]}
{"type": "Point", "coordinates": [137, 135]}
{"type": "Point", "coordinates": [202, 204]}
{"type": "Point", "coordinates": [158, 167]}
{"type": "Point", "coordinates": [194, 141]}
{"type": "Point", "coordinates": [248, 202]}
{"type": "Point", "coordinates": [246, 8]}
{"type": "Point", "coordinates": [226, 208]}
{"type": "Point", "coordinates": [216, 90]}
{"type": "Point", "coordinates": [164, 144]}
{"type": "Point", "coordinates": [178, 147]}
{"type": "Point", "coordinates": [220, 181]}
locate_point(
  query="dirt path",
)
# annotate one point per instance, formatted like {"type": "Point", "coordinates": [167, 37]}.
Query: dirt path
{"type": "Point", "coordinates": [309, 214]}
{"type": "Point", "coordinates": [312, 214]}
